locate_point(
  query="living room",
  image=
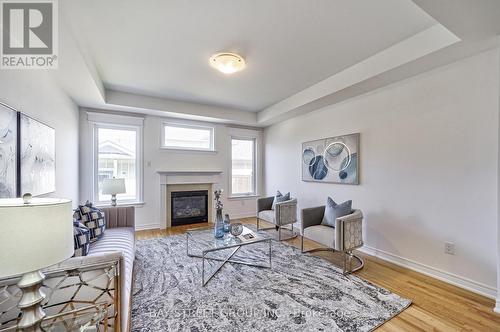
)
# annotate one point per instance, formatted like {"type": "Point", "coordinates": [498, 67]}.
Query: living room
{"type": "Point", "coordinates": [250, 166]}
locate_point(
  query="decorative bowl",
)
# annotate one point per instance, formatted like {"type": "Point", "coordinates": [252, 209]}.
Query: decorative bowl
{"type": "Point", "coordinates": [236, 229]}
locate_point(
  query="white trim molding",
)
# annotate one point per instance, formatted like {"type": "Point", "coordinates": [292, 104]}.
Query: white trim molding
{"type": "Point", "coordinates": [497, 306]}
{"type": "Point", "coordinates": [116, 119]}
{"type": "Point", "coordinates": [144, 227]}
{"type": "Point", "coordinates": [430, 271]}
{"type": "Point", "coordinates": [188, 172]}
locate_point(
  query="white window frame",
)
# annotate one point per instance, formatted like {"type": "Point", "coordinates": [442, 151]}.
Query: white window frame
{"type": "Point", "coordinates": [187, 126]}
{"type": "Point", "coordinates": [138, 159]}
{"type": "Point", "coordinates": [254, 179]}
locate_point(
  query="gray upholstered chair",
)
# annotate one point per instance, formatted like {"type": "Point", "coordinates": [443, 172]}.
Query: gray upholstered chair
{"type": "Point", "coordinates": [284, 214]}
{"type": "Point", "coordinates": [346, 236]}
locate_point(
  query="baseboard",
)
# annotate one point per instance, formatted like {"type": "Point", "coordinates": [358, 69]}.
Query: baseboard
{"type": "Point", "coordinates": [497, 306]}
{"type": "Point", "coordinates": [430, 271]}
{"type": "Point", "coordinates": [144, 227]}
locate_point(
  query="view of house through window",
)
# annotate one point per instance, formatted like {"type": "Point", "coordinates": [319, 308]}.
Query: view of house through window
{"type": "Point", "coordinates": [243, 166]}
{"type": "Point", "coordinates": [177, 136]}
{"type": "Point", "coordinates": [116, 157]}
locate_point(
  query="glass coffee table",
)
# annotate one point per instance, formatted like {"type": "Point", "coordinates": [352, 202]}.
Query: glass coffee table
{"type": "Point", "coordinates": [223, 249]}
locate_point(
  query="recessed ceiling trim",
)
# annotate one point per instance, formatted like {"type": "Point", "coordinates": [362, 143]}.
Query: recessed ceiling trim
{"type": "Point", "coordinates": [428, 41]}
{"type": "Point", "coordinates": [180, 109]}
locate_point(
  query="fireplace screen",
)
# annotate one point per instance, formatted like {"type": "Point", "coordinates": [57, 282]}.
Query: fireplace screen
{"type": "Point", "coordinates": [189, 207]}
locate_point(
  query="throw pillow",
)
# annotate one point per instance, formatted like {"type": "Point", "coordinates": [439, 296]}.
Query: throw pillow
{"type": "Point", "coordinates": [92, 218]}
{"type": "Point", "coordinates": [87, 208]}
{"type": "Point", "coordinates": [334, 211]}
{"type": "Point", "coordinates": [81, 239]}
{"type": "Point", "coordinates": [280, 198]}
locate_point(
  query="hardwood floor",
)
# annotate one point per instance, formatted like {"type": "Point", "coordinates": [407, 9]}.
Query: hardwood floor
{"type": "Point", "coordinates": [437, 306]}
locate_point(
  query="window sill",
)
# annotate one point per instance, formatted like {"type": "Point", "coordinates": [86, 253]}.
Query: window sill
{"type": "Point", "coordinates": [234, 197]}
{"type": "Point", "coordinates": [102, 205]}
{"type": "Point", "coordinates": [181, 150]}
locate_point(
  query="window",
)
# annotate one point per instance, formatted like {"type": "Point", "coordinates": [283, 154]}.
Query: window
{"type": "Point", "coordinates": [242, 167]}
{"type": "Point", "coordinates": [188, 137]}
{"type": "Point", "coordinates": [117, 154]}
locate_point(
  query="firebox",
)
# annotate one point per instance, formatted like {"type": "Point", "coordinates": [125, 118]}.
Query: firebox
{"type": "Point", "coordinates": [189, 207]}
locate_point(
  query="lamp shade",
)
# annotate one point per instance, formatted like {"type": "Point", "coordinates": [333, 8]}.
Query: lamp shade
{"type": "Point", "coordinates": [34, 235]}
{"type": "Point", "coordinates": [113, 186]}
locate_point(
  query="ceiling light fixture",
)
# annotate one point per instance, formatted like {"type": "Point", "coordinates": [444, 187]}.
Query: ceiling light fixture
{"type": "Point", "coordinates": [227, 63]}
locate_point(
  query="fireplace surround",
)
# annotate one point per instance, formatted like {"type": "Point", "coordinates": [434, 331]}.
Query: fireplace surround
{"type": "Point", "coordinates": [171, 181]}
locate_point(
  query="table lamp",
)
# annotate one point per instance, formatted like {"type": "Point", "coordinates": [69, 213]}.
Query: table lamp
{"type": "Point", "coordinates": [113, 187]}
{"type": "Point", "coordinates": [34, 234]}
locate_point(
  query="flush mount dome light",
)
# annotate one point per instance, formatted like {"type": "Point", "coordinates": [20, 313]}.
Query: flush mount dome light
{"type": "Point", "coordinates": [227, 63]}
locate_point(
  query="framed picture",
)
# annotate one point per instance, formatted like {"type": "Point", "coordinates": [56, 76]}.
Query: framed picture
{"type": "Point", "coordinates": [8, 151]}
{"type": "Point", "coordinates": [37, 157]}
{"type": "Point", "coordinates": [331, 160]}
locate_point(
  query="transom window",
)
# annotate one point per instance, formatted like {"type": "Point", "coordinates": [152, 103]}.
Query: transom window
{"type": "Point", "coordinates": [187, 137]}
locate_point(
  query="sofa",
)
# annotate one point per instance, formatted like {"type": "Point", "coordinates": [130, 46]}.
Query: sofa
{"type": "Point", "coordinates": [120, 236]}
{"type": "Point", "coordinates": [103, 277]}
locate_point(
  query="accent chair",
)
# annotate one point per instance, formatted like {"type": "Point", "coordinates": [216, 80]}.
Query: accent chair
{"type": "Point", "coordinates": [346, 236]}
{"type": "Point", "coordinates": [284, 214]}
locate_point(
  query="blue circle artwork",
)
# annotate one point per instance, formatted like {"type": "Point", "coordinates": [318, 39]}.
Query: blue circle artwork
{"type": "Point", "coordinates": [334, 149]}
{"type": "Point", "coordinates": [308, 155]}
{"type": "Point", "coordinates": [317, 168]}
{"type": "Point", "coordinates": [348, 175]}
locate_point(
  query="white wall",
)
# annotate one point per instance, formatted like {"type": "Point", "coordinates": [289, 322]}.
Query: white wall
{"type": "Point", "coordinates": [35, 93]}
{"type": "Point", "coordinates": [156, 159]}
{"type": "Point", "coordinates": [428, 168]}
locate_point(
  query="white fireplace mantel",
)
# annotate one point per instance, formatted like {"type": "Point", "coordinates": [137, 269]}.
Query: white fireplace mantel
{"type": "Point", "coordinates": [179, 177]}
{"type": "Point", "coordinates": [173, 178]}
{"type": "Point", "coordinates": [184, 172]}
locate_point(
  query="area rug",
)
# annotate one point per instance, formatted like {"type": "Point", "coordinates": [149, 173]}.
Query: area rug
{"type": "Point", "coordinates": [300, 292]}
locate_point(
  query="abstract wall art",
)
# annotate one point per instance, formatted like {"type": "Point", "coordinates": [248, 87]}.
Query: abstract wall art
{"type": "Point", "coordinates": [331, 160]}
{"type": "Point", "coordinates": [27, 155]}
{"type": "Point", "coordinates": [38, 157]}
{"type": "Point", "coordinates": [8, 149]}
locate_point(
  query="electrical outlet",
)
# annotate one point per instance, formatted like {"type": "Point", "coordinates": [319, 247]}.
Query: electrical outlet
{"type": "Point", "coordinates": [449, 248]}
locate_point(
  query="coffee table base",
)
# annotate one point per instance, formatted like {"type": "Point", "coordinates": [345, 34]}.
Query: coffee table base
{"type": "Point", "coordinates": [224, 261]}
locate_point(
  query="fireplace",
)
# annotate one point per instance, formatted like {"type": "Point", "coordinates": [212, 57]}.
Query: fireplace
{"type": "Point", "coordinates": [189, 207]}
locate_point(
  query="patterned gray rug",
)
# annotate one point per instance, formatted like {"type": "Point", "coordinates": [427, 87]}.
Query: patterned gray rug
{"type": "Point", "coordinates": [300, 293]}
